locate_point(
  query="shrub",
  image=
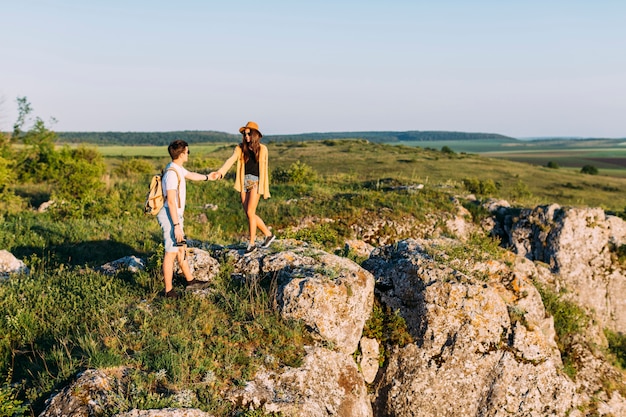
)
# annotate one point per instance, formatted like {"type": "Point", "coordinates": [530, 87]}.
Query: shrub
{"type": "Point", "coordinates": [134, 166]}
{"type": "Point", "coordinates": [297, 173]}
{"type": "Point", "coordinates": [447, 150]}
{"type": "Point", "coordinates": [617, 346]}
{"type": "Point", "coordinates": [10, 406]}
{"type": "Point", "coordinates": [482, 187]}
{"type": "Point", "coordinates": [521, 190]}
{"type": "Point", "coordinates": [478, 212]}
{"type": "Point", "coordinates": [78, 181]}
{"type": "Point", "coordinates": [7, 174]}
{"type": "Point", "coordinates": [388, 327]}
{"type": "Point", "coordinates": [552, 165]}
{"type": "Point", "coordinates": [589, 169]}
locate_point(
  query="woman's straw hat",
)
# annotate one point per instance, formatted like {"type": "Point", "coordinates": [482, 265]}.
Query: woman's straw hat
{"type": "Point", "coordinates": [250, 125]}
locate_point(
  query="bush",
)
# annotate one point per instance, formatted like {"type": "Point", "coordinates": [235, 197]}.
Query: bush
{"type": "Point", "coordinates": [297, 173]}
{"type": "Point", "coordinates": [10, 406]}
{"type": "Point", "coordinates": [521, 190]}
{"type": "Point", "coordinates": [589, 169]}
{"type": "Point", "coordinates": [79, 175]}
{"type": "Point", "coordinates": [482, 187]}
{"type": "Point", "coordinates": [617, 346]}
{"type": "Point", "coordinates": [7, 174]}
{"type": "Point", "coordinates": [447, 150]}
{"type": "Point", "coordinates": [134, 166]}
{"type": "Point", "coordinates": [553, 165]}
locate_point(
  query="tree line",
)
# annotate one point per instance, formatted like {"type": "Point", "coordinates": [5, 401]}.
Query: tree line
{"type": "Point", "coordinates": [164, 138]}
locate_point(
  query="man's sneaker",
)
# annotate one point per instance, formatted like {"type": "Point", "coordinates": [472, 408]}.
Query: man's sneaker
{"type": "Point", "coordinates": [194, 284]}
{"type": "Point", "coordinates": [172, 294]}
{"type": "Point", "coordinates": [268, 241]}
{"type": "Point", "coordinates": [249, 250]}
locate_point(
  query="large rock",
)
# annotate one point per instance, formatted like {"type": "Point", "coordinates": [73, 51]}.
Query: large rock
{"type": "Point", "coordinates": [578, 245]}
{"type": "Point", "coordinates": [127, 263]}
{"type": "Point", "coordinates": [202, 265]}
{"type": "Point", "coordinates": [332, 295]}
{"type": "Point", "coordinates": [92, 394]}
{"type": "Point", "coordinates": [327, 384]}
{"type": "Point", "coordinates": [480, 347]}
{"type": "Point", "coordinates": [9, 264]}
{"type": "Point", "coordinates": [96, 392]}
{"type": "Point", "coordinates": [166, 412]}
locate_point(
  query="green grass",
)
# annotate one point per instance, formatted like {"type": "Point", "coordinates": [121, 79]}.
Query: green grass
{"type": "Point", "coordinates": [62, 321]}
{"type": "Point", "coordinates": [66, 317]}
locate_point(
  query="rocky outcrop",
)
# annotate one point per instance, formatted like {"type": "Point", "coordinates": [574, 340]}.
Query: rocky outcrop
{"type": "Point", "coordinates": [332, 295]}
{"type": "Point", "coordinates": [92, 394]}
{"type": "Point", "coordinates": [327, 384]}
{"type": "Point", "coordinates": [166, 412]}
{"type": "Point", "coordinates": [202, 265]}
{"type": "Point", "coordinates": [483, 344]}
{"type": "Point", "coordinates": [96, 392]}
{"type": "Point", "coordinates": [578, 245]}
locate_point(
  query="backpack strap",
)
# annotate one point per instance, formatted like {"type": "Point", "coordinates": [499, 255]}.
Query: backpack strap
{"type": "Point", "coordinates": [178, 186]}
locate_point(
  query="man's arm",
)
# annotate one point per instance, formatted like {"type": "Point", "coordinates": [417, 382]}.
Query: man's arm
{"type": "Point", "coordinates": [194, 176]}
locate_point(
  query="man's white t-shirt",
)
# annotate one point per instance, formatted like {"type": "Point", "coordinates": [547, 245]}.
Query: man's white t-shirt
{"type": "Point", "coordinates": [170, 182]}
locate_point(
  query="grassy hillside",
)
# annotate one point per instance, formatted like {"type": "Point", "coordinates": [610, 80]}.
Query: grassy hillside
{"type": "Point", "coordinates": [66, 317]}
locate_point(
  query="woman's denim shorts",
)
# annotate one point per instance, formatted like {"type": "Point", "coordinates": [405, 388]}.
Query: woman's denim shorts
{"type": "Point", "coordinates": [250, 182]}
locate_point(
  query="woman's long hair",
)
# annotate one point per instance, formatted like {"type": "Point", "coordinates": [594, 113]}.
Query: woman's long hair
{"type": "Point", "coordinates": [254, 145]}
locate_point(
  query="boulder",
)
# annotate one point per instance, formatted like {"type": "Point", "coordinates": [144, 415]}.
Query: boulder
{"type": "Point", "coordinates": [332, 295]}
{"type": "Point", "coordinates": [578, 245]}
{"type": "Point", "coordinates": [327, 384]}
{"type": "Point", "coordinates": [9, 265]}
{"type": "Point", "coordinates": [92, 394]}
{"type": "Point", "coordinates": [166, 412]}
{"type": "Point", "coordinates": [476, 349]}
{"type": "Point", "coordinates": [202, 265]}
{"type": "Point", "coordinates": [127, 263]}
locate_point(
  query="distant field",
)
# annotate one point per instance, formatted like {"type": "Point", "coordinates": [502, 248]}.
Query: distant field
{"type": "Point", "coordinates": [609, 155]}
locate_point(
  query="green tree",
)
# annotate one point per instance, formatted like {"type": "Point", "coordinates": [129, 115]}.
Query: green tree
{"type": "Point", "coordinates": [447, 150]}
{"type": "Point", "coordinates": [39, 158]}
{"type": "Point", "coordinates": [589, 169]}
{"type": "Point", "coordinates": [553, 165]}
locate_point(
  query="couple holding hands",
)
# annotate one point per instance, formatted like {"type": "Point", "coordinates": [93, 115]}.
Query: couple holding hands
{"type": "Point", "coordinates": [252, 181]}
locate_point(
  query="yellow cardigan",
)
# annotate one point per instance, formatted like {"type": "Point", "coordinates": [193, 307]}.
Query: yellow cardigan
{"type": "Point", "coordinates": [264, 182]}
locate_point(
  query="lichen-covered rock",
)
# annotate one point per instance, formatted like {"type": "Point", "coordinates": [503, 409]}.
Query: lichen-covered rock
{"type": "Point", "coordinates": [166, 412]}
{"type": "Point", "coordinates": [578, 245]}
{"type": "Point", "coordinates": [92, 394]}
{"type": "Point", "coordinates": [331, 294]}
{"type": "Point", "coordinates": [202, 265]}
{"type": "Point", "coordinates": [472, 353]}
{"type": "Point", "coordinates": [327, 384]}
{"type": "Point", "coordinates": [370, 353]}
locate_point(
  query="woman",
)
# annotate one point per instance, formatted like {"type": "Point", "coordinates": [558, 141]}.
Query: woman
{"type": "Point", "coordinates": [252, 180]}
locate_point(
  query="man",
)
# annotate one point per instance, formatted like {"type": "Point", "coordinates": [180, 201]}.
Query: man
{"type": "Point", "coordinates": [171, 215]}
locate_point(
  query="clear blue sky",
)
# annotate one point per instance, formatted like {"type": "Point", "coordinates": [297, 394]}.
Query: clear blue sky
{"type": "Point", "coordinates": [524, 68]}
